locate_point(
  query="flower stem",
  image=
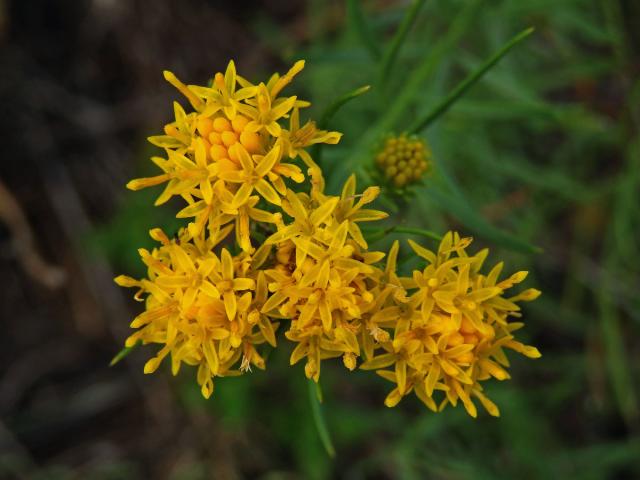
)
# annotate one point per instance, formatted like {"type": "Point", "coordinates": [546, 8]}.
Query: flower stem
{"type": "Point", "coordinates": [377, 235]}
{"type": "Point", "coordinates": [338, 103]}
{"type": "Point", "coordinates": [315, 397]}
{"type": "Point", "coordinates": [123, 353]}
{"type": "Point", "coordinates": [358, 22]}
{"type": "Point", "coordinates": [391, 53]}
{"type": "Point", "coordinates": [467, 83]}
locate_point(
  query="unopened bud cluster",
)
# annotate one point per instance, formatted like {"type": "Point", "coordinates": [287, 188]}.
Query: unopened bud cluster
{"type": "Point", "coordinates": [403, 159]}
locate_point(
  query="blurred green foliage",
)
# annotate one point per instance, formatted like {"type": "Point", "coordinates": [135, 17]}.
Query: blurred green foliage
{"type": "Point", "coordinates": [543, 151]}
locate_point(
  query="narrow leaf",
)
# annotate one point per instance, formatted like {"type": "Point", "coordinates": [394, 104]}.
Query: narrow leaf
{"type": "Point", "coordinates": [338, 103]}
{"type": "Point", "coordinates": [391, 53]}
{"type": "Point", "coordinates": [460, 208]}
{"type": "Point", "coordinates": [123, 353]}
{"type": "Point", "coordinates": [318, 418]}
{"type": "Point", "coordinates": [468, 82]}
{"type": "Point", "coordinates": [405, 97]}
{"type": "Point", "coordinates": [357, 21]}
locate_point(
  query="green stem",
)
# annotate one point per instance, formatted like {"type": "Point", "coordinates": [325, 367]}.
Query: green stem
{"type": "Point", "coordinates": [123, 353]}
{"type": "Point", "coordinates": [338, 103]}
{"type": "Point", "coordinates": [331, 110]}
{"type": "Point", "coordinates": [315, 397]}
{"type": "Point", "coordinates": [377, 235]}
{"type": "Point", "coordinates": [360, 153]}
{"type": "Point", "coordinates": [468, 82]}
{"type": "Point", "coordinates": [358, 21]}
{"type": "Point", "coordinates": [418, 231]}
{"type": "Point", "coordinates": [391, 53]}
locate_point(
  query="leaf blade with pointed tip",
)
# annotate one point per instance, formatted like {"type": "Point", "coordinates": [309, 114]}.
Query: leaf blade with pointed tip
{"type": "Point", "coordinates": [315, 397]}
{"type": "Point", "coordinates": [123, 353]}
{"type": "Point", "coordinates": [468, 82]}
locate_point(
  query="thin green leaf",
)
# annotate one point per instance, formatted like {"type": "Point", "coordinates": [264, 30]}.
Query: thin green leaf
{"type": "Point", "coordinates": [620, 248]}
{"type": "Point", "coordinates": [406, 95]}
{"type": "Point", "coordinates": [358, 22]}
{"type": "Point", "coordinates": [331, 111]}
{"type": "Point", "coordinates": [338, 103]}
{"type": "Point", "coordinates": [391, 53]}
{"type": "Point", "coordinates": [616, 358]}
{"type": "Point", "coordinates": [123, 353]}
{"type": "Point", "coordinates": [458, 206]}
{"type": "Point", "coordinates": [378, 234]}
{"type": "Point", "coordinates": [418, 231]}
{"type": "Point", "coordinates": [468, 82]}
{"type": "Point", "coordinates": [318, 418]}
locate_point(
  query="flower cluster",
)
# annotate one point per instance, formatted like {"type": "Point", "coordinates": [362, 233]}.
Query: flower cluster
{"type": "Point", "coordinates": [403, 160]}
{"type": "Point", "coordinates": [450, 326]}
{"type": "Point", "coordinates": [300, 260]}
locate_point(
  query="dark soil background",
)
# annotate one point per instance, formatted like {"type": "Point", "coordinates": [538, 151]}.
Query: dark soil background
{"type": "Point", "coordinates": [81, 87]}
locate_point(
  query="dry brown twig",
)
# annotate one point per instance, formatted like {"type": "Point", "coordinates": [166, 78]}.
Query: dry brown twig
{"type": "Point", "coordinates": [24, 244]}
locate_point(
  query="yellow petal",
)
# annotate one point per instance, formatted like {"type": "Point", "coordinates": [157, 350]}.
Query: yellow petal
{"type": "Point", "coordinates": [267, 192]}
{"type": "Point", "coordinates": [227, 265]}
{"type": "Point", "coordinates": [182, 88]}
{"type": "Point", "coordinates": [230, 304]}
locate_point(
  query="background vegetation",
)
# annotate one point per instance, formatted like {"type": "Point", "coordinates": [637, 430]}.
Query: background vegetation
{"type": "Point", "coordinates": [540, 161]}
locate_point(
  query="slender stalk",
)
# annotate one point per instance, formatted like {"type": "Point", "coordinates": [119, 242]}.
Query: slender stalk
{"type": "Point", "coordinates": [315, 397]}
{"type": "Point", "coordinates": [358, 22]}
{"type": "Point", "coordinates": [331, 110]}
{"type": "Point", "coordinates": [338, 103]}
{"type": "Point", "coordinates": [391, 53]}
{"type": "Point", "coordinates": [468, 82]}
{"type": "Point", "coordinates": [123, 353]}
{"type": "Point", "coordinates": [377, 235]}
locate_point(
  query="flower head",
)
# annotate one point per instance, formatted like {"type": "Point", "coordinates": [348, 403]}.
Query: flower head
{"type": "Point", "coordinates": [231, 146]}
{"type": "Point", "coordinates": [452, 332]}
{"type": "Point", "coordinates": [300, 259]}
{"type": "Point", "coordinates": [201, 309]}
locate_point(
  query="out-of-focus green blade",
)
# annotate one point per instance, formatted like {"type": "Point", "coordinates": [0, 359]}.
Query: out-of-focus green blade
{"type": "Point", "coordinates": [315, 397]}
{"type": "Point", "coordinates": [620, 249]}
{"type": "Point", "coordinates": [406, 95]}
{"type": "Point", "coordinates": [467, 83]}
{"type": "Point", "coordinates": [460, 209]}
{"type": "Point", "coordinates": [338, 103]}
{"type": "Point", "coordinates": [373, 235]}
{"type": "Point", "coordinates": [123, 353]}
{"type": "Point", "coordinates": [358, 23]}
{"type": "Point", "coordinates": [391, 52]}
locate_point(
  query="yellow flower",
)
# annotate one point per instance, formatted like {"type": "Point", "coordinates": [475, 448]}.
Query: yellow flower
{"type": "Point", "coordinates": [452, 332]}
{"type": "Point", "coordinates": [251, 176]}
{"type": "Point", "coordinates": [350, 211]}
{"type": "Point", "coordinates": [322, 282]}
{"type": "Point", "coordinates": [439, 333]}
{"type": "Point", "coordinates": [223, 94]}
{"type": "Point", "coordinates": [266, 113]}
{"type": "Point", "coordinates": [305, 222]}
{"type": "Point", "coordinates": [201, 310]}
{"type": "Point", "coordinates": [230, 147]}
{"type": "Point", "coordinates": [296, 139]}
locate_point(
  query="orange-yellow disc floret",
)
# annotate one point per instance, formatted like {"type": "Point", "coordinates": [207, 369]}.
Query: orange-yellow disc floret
{"type": "Point", "coordinates": [223, 135]}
